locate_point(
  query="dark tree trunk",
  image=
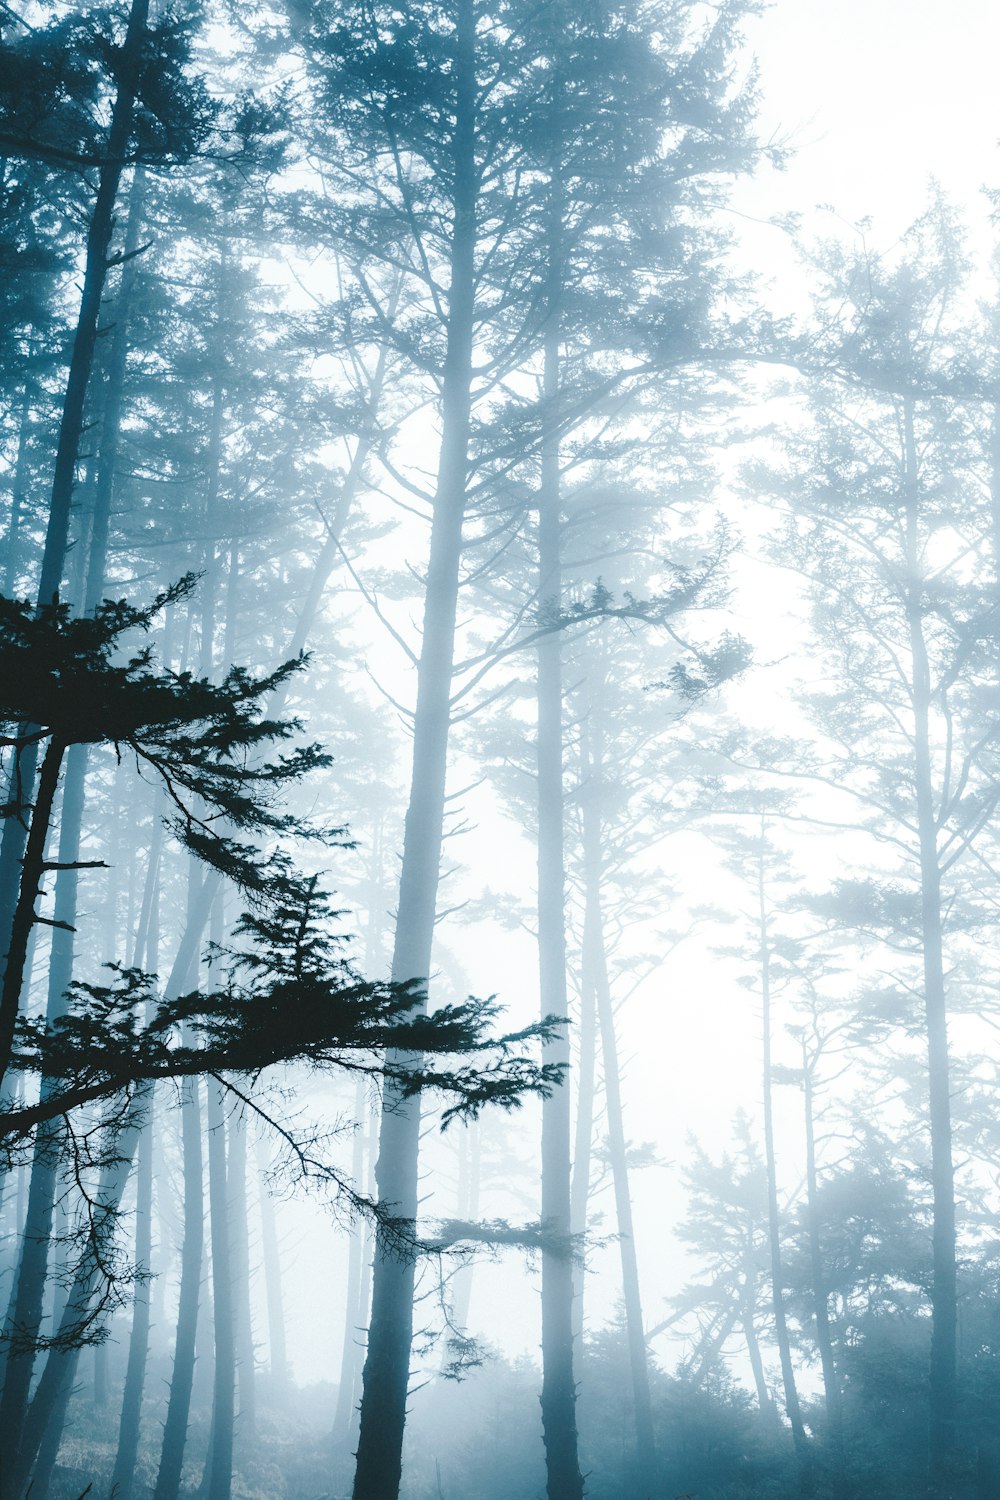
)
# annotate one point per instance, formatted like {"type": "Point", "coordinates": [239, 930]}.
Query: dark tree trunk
{"type": "Point", "coordinates": [129, 64]}
{"type": "Point", "coordinates": [558, 1399]}
{"type": "Point", "coordinates": [25, 1310]}
{"type": "Point", "coordinates": [218, 1481]}
{"type": "Point", "coordinates": [46, 1416]}
{"type": "Point", "coordinates": [236, 1188]}
{"type": "Point", "coordinates": [123, 1474]}
{"type": "Point", "coordinates": [18, 491]}
{"type": "Point", "coordinates": [386, 1372]}
{"type": "Point", "coordinates": [47, 1412]}
{"type": "Point", "coordinates": [192, 1249]}
{"type": "Point", "coordinates": [29, 888]}
{"type": "Point", "coordinates": [114, 395]}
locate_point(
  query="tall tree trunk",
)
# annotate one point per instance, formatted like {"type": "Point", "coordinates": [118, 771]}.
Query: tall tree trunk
{"type": "Point", "coordinates": [218, 1481]}
{"type": "Point", "coordinates": [18, 491]}
{"type": "Point", "coordinates": [29, 889]}
{"type": "Point", "coordinates": [753, 1352]}
{"type": "Point", "coordinates": [128, 70]}
{"type": "Point", "coordinates": [277, 1351]}
{"type": "Point", "coordinates": [43, 1425]}
{"type": "Point", "coordinates": [25, 1308]}
{"type": "Point", "coordinates": [821, 1308]}
{"type": "Point", "coordinates": [944, 1283]}
{"type": "Point", "coordinates": [192, 1249]}
{"type": "Point", "coordinates": [146, 947]}
{"type": "Point", "coordinates": [236, 1189]}
{"type": "Point", "coordinates": [469, 1175]}
{"type": "Point", "coordinates": [583, 1137]}
{"type": "Point", "coordinates": [558, 1399]}
{"type": "Point", "coordinates": [123, 1473]}
{"type": "Point", "coordinates": [114, 397]}
{"type": "Point", "coordinates": [386, 1372]}
{"type": "Point", "coordinates": [46, 1414]}
{"type": "Point", "coordinates": [792, 1406]}
{"type": "Point", "coordinates": [596, 960]}
{"type": "Point", "coordinates": [355, 1313]}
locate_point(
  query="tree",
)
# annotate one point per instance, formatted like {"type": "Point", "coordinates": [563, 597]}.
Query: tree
{"type": "Point", "coordinates": [886, 506]}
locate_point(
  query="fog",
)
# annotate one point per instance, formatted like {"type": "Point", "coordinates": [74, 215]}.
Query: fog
{"type": "Point", "coordinates": [499, 993]}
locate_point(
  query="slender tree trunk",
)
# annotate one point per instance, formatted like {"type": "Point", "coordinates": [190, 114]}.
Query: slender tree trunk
{"type": "Point", "coordinates": [468, 1209]}
{"type": "Point", "coordinates": [756, 1363]}
{"type": "Point", "coordinates": [824, 1340]}
{"type": "Point", "coordinates": [25, 1309]}
{"type": "Point", "coordinates": [792, 1406]}
{"type": "Point", "coordinates": [29, 887]}
{"type": "Point", "coordinates": [218, 1480]}
{"type": "Point", "coordinates": [47, 1412]}
{"type": "Point", "coordinates": [43, 1425]}
{"type": "Point", "coordinates": [583, 1134]}
{"type": "Point", "coordinates": [277, 1352]}
{"type": "Point", "coordinates": [711, 1345]}
{"type": "Point", "coordinates": [123, 1474]}
{"type": "Point", "coordinates": [114, 396]}
{"type": "Point", "coordinates": [944, 1284]}
{"type": "Point", "coordinates": [128, 71]}
{"type": "Point", "coordinates": [386, 1372]}
{"type": "Point", "coordinates": [595, 957]}
{"type": "Point", "coordinates": [236, 1188]}
{"type": "Point", "coordinates": [18, 491]}
{"type": "Point", "coordinates": [558, 1399]}
{"type": "Point", "coordinates": [355, 1315]}
{"type": "Point", "coordinates": [192, 1249]}
{"type": "Point", "coordinates": [146, 945]}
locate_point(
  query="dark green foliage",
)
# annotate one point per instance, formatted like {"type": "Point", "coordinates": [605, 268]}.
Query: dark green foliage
{"type": "Point", "coordinates": [56, 81]}
{"type": "Point", "coordinates": [73, 679]}
{"type": "Point", "coordinates": [290, 996]}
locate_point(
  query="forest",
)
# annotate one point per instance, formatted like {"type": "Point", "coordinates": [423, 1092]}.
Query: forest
{"type": "Point", "coordinates": [500, 760]}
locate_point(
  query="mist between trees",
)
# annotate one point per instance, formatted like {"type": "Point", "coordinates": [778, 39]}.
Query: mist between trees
{"type": "Point", "coordinates": [479, 679]}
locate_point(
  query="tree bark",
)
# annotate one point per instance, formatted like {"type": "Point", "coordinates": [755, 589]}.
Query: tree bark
{"type": "Point", "coordinates": [558, 1398]}
{"type": "Point", "coordinates": [129, 64]}
{"type": "Point", "coordinates": [25, 1308]}
{"type": "Point", "coordinates": [29, 889]}
{"type": "Point", "coordinates": [18, 490]}
{"type": "Point", "coordinates": [192, 1249]}
{"type": "Point", "coordinates": [46, 1414]}
{"type": "Point", "coordinates": [944, 1283]}
{"type": "Point", "coordinates": [123, 1473]}
{"type": "Point", "coordinates": [218, 1480]}
{"type": "Point", "coordinates": [386, 1371]}
{"type": "Point", "coordinates": [236, 1190]}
